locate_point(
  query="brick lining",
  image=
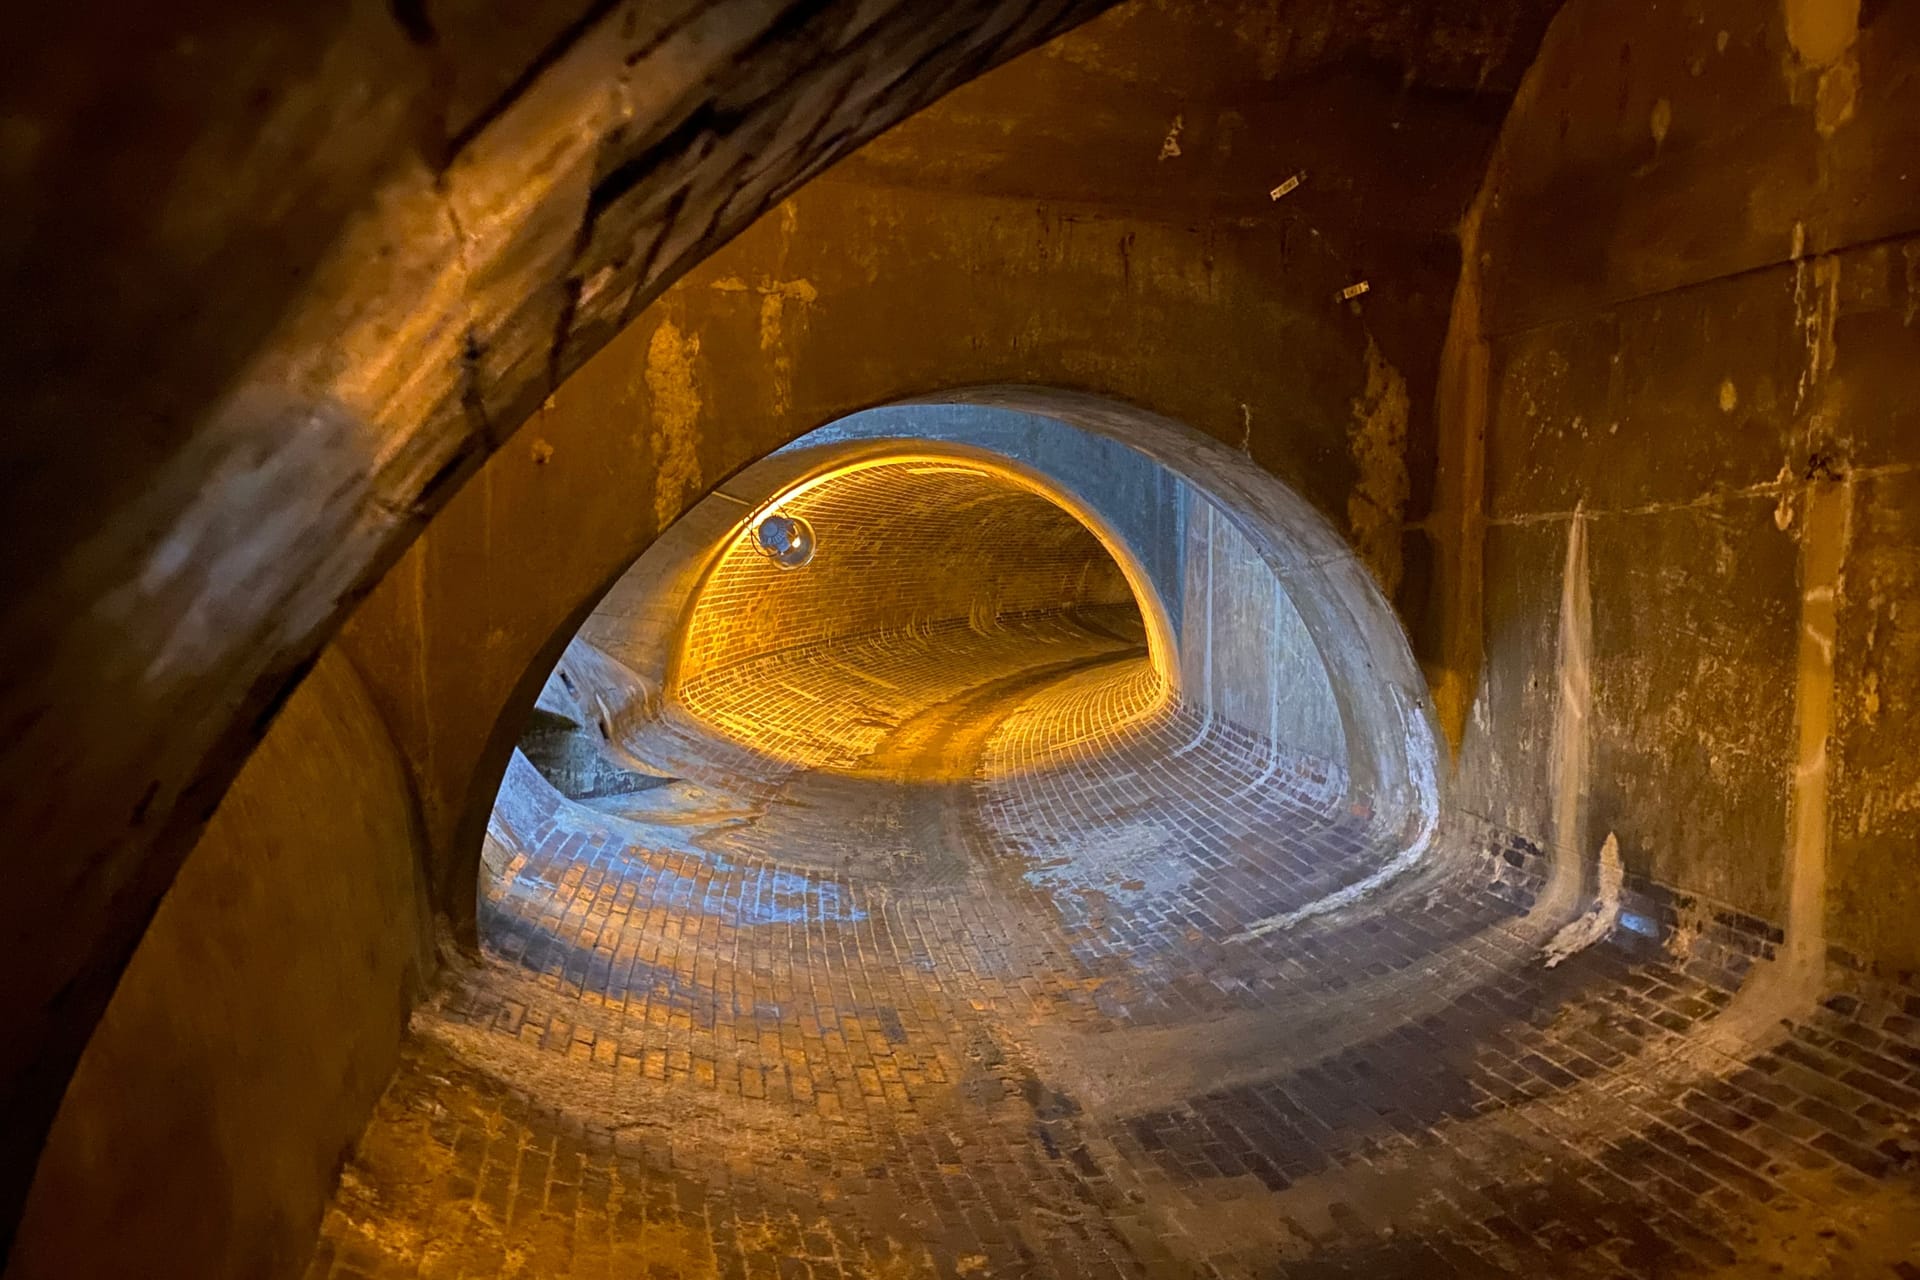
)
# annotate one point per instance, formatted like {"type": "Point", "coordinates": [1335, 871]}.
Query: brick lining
{"type": "Point", "coordinates": [934, 959]}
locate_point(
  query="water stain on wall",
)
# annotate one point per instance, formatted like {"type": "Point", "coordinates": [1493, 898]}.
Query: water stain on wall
{"type": "Point", "coordinates": [1822, 34]}
{"type": "Point", "coordinates": [1378, 439]}
{"type": "Point", "coordinates": [675, 436]}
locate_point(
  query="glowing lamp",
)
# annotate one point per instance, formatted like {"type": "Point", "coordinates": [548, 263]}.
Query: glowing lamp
{"type": "Point", "coordinates": [785, 540]}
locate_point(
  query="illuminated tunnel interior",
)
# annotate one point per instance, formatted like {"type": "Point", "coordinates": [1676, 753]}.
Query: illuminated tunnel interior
{"type": "Point", "coordinates": [1006, 640]}
{"type": "Point", "coordinates": [908, 847]}
{"type": "Point", "coordinates": [1099, 712]}
{"type": "Point", "coordinates": [1001, 838]}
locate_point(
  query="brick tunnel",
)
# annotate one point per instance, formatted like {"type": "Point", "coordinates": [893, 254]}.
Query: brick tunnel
{"type": "Point", "coordinates": [1181, 639]}
{"type": "Point", "coordinates": [913, 853]}
{"type": "Point", "coordinates": [1011, 883]}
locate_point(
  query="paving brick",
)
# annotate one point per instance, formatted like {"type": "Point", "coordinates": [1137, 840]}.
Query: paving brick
{"type": "Point", "coordinates": [790, 1022]}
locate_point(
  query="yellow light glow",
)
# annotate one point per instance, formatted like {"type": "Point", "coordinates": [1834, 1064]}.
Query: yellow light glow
{"type": "Point", "coordinates": [743, 723]}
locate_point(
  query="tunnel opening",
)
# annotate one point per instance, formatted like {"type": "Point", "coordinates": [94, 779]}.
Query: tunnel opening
{"type": "Point", "coordinates": [1024, 664]}
{"type": "Point", "coordinates": [1074, 895]}
{"type": "Point", "coordinates": [939, 576]}
{"type": "Point", "coordinates": [980, 901]}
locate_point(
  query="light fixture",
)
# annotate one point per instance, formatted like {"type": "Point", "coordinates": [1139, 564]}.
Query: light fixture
{"type": "Point", "coordinates": [785, 540]}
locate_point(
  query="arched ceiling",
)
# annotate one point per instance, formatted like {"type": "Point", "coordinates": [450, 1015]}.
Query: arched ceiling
{"type": "Point", "coordinates": [916, 561]}
{"type": "Point", "coordinates": [292, 276]}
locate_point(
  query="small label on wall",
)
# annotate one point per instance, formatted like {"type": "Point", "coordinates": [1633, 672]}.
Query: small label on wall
{"type": "Point", "coordinates": [1353, 291]}
{"type": "Point", "coordinates": [1287, 186]}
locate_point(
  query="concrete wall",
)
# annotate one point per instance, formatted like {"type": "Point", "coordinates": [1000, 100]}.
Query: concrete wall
{"type": "Point", "coordinates": [1246, 653]}
{"type": "Point", "coordinates": [257, 1023]}
{"type": "Point", "coordinates": [1695, 291]}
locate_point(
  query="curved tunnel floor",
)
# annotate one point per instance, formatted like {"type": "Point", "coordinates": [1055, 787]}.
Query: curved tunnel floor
{"type": "Point", "coordinates": [1035, 1019]}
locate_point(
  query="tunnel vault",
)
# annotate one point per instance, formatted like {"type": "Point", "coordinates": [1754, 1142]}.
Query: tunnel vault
{"type": "Point", "coordinates": [419, 226]}
{"type": "Point", "coordinates": [921, 541]}
{"type": "Point", "coordinates": [1656, 545]}
{"type": "Point", "coordinates": [989, 544]}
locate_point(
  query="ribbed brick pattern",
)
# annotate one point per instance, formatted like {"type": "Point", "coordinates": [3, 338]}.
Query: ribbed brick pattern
{"type": "Point", "coordinates": [1158, 831]}
{"type": "Point", "coordinates": [952, 947]}
{"type": "Point", "coordinates": [907, 548]}
{"type": "Point", "coordinates": [830, 704]}
{"type": "Point", "coordinates": [677, 1063]}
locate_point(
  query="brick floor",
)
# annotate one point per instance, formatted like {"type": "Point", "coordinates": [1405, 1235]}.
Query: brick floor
{"type": "Point", "coordinates": [1014, 1021]}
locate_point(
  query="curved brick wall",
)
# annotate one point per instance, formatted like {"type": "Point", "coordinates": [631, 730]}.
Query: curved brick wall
{"type": "Point", "coordinates": [1243, 649]}
{"type": "Point", "coordinates": [916, 548]}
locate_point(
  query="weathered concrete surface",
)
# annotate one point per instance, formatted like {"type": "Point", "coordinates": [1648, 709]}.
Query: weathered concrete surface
{"type": "Point", "coordinates": [1694, 282]}
{"type": "Point", "coordinates": [1695, 621]}
{"type": "Point", "coordinates": [283, 281]}
{"type": "Point", "coordinates": [257, 1022]}
{"type": "Point", "coordinates": [1690, 307]}
{"type": "Point", "coordinates": [1874, 883]}
{"type": "Point", "coordinates": [1385, 113]}
{"type": "Point", "coordinates": [1504, 768]}
{"type": "Point", "coordinates": [1193, 293]}
{"type": "Point", "coordinates": [1696, 149]}
{"type": "Point", "coordinates": [1247, 655]}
